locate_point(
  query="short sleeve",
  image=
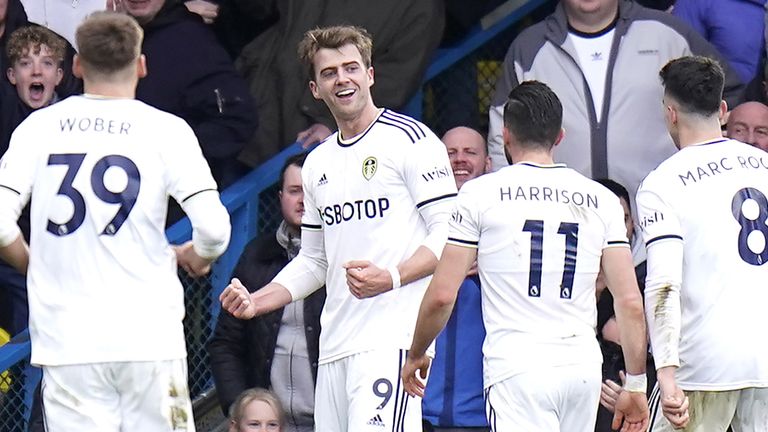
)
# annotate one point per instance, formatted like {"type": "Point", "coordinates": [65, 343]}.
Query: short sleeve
{"type": "Point", "coordinates": [657, 219]}
{"type": "Point", "coordinates": [464, 226]}
{"type": "Point", "coordinates": [311, 220]}
{"type": "Point", "coordinates": [187, 170]}
{"type": "Point", "coordinates": [615, 229]}
{"type": "Point", "coordinates": [427, 171]}
{"type": "Point", "coordinates": [19, 163]}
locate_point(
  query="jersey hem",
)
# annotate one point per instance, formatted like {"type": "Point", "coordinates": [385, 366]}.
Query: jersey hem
{"type": "Point", "coordinates": [51, 362]}
{"type": "Point", "coordinates": [509, 374]}
{"type": "Point", "coordinates": [687, 386]}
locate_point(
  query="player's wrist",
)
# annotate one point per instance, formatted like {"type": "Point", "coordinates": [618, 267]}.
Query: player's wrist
{"type": "Point", "coordinates": [394, 273]}
{"type": "Point", "coordinates": [636, 383]}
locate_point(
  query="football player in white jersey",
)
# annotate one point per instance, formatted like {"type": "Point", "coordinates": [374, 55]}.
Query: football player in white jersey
{"type": "Point", "coordinates": [703, 216]}
{"type": "Point", "coordinates": [106, 304]}
{"type": "Point", "coordinates": [378, 195]}
{"type": "Point", "coordinates": [540, 233]}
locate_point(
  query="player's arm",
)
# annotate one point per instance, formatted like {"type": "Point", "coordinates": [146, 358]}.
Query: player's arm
{"type": "Point", "coordinates": [302, 276]}
{"type": "Point", "coordinates": [365, 279]}
{"type": "Point", "coordinates": [13, 247]}
{"type": "Point", "coordinates": [435, 311]}
{"type": "Point", "coordinates": [210, 232]}
{"type": "Point", "coordinates": [16, 254]}
{"type": "Point", "coordinates": [17, 171]}
{"type": "Point", "coordinates": [664, 314]}
{"type": "Point", "coordinates": [458, 257]}
{"type": "Point", "coordinates": [434, 200]}
{"type": "Point", "coordinates": [632, 404]}
{"type": "Point", "coordinates": [661, 233]}
{"type": "Point", "coordinates": [628, 303]}
{"type": "Point", "coordinates": [189, 181]}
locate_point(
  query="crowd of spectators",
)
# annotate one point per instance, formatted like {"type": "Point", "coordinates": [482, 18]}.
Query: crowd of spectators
{"type": "Point", "coordinates": [229, 68]}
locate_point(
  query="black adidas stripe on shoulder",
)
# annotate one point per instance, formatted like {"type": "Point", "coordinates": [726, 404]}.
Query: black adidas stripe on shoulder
{"type": "Point", "coordinates": [10, 189]}
{"type": "Point", "coordinates": [466, 242]}
{"type": "Point", "coordinates": [405, 121]}
{"type": "Point", "coordinates": [396, 125]}
{"type": "Point", "coordinates": [663, 237]}
{"type": "Point", "coordinates": [435, 199]}
{"type": "Point", "coordinates": [197, 193]}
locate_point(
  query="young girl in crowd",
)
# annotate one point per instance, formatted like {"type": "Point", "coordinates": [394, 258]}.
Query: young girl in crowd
{"type": "Point", "coordinates": [256, 410]}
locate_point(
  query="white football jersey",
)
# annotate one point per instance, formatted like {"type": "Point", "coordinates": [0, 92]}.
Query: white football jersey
{"type": "Point", "coordinates": [712, 198]}
{"type": "Point", "coordinates": [540, 231]}
{"type": "Point", "coordinates": [365, 195]}
{"type": "Point", "coordinates": [102, 278]}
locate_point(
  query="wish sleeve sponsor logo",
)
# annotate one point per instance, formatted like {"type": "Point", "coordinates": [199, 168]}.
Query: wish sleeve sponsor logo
{"type": "Point", "coordinates": [436, 173]}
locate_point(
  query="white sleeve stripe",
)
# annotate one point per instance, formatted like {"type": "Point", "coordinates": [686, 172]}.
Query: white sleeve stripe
{"type": "Point", "coordinates": [311, 227]}
{"type": "Point", "coordinates": [435, 199]}
{"type": "Point", "coordinates": [617, 242]}
{"type": "Point", "coordinates": [198, 192]}
{"type": "Point", "coordinates": [663, 237]}
{"type": "Point", "coordinates": [10, 189]}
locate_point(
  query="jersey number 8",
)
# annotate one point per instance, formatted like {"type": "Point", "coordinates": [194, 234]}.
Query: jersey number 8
{"type": "Point", "coordinates": [749, 225]}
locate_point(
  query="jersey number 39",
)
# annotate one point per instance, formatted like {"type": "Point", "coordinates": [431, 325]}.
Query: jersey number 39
{"type": "Point", "coordinates": [126, 197]}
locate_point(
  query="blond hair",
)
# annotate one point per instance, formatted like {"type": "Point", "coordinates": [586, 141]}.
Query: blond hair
{"type": "Point", "coordinates": [256, 394]}
{"type": "Point", "coordinates": [333, 38]}
{"type": "Point", "coordinates": [108, 42]}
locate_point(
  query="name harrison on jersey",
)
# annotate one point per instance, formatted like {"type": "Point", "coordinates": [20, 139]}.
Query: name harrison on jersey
{"type": "Point", "coordinates": [545, 193]}
{"type": "Point", "coordinates": [355, 210]}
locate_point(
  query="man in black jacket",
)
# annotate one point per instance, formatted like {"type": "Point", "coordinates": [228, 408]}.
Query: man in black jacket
{"type": "Point", "coordinates": [279, 350]}
{"type": "Point", "coordinates": [192, 76]}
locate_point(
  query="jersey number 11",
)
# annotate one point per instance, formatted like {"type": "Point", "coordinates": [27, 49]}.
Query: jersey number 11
{"type": "Point", "coordinates": [571, 232]}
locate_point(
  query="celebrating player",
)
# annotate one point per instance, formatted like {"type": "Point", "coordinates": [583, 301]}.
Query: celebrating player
{"type": "Point", "coordinates": [378, 194]}
{"type": "Point", "coordinates": [539, 232]}
{"type": "Point", "coordinates": [106, 304]}
{"type": "Point", "coordinates": [703, 216]}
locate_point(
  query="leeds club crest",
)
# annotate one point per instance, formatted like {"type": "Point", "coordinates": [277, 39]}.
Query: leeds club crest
{"type": "Point", "coordinates": [369, 167]}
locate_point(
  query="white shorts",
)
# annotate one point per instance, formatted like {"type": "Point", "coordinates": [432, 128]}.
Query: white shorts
{"type": "Point", "coordinates": [745, 410]}
{"type": "Point", "coordinates": [121, 396]}
{"type": "Point", "coordinates": [563, 398]}
{"type": "Point", "coordinates": [363, 392]}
